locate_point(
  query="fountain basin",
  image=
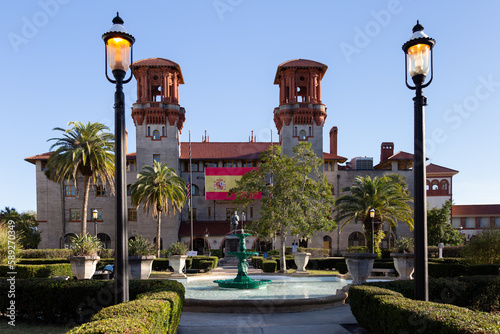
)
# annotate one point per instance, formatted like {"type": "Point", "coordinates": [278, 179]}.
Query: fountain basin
{"type": "Point", "coordinates": [283, 294]}
{"type": "Point", "coordinates": [244, 284]}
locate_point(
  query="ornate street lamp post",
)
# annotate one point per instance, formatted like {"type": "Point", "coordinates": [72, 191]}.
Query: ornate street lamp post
{"type": "Point", "coordinates": [418, 62]}
{"type": "Point", "coordinates": [118, 53]}
{"type": "Point", "coordinates": [372, 216]}
{"type": "Point", "coordinates": [95, 213]}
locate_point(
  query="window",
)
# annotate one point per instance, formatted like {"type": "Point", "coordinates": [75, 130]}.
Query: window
{"type": "Point", "coordinates": [130, 165]}
{"type": "Point", "coordinates": [44, 166]}
{"type": "Point", "coordinates": [194, 214]}
{"type": "Point", "coordinates": [310, 131]}
{"type": "Point", "coordinates": [100, 190]}
{"type": "Point", "coordinates": [302, 135]}
{"type": "Point", "coordinates": [229, 213]}
{"type": "Point", "coordinates": [132, 215]}
{"type": "Point", "coordinates": [195, 167]}
{"type": "Point", "coordinates": [251, 212]}
{"type": "Point", "coordinates": [195, 191]}
{"type": "Point", "coordinates": [249, 164]}
{"type": "Point", "coordinates": [485, 222]}
{"type": "Point", "coordinates": [209, 212]}
{"type": "Point", "coordinates": [497, 221]}
{"type": "Point", "coordinates": [75, 215]}
{"type": "Point", "coordinates": [444, 186]}
{"type": "Point", "coordinates": [295, 131]}
{"type": "Point", "coordinates": [163, 131]}
{"type": "Point", "coordinates": [470, 222]}
{"type": "Point", "coordinates": [149, 131]}
{"type": "Point", "coordinates": [70, 191]}
{"type": "Point", "coordinates": [455, 222]}
{"type": "Point", "coordinates": [129, 190]}
{"type": "Point", "coordinates": [229, 164]}
{"type": "Point", "coordinates": [356, 239]}
{"type": "Point", "coordinates": [156, 135]}
{"type": "Point", "coordinates": [156, 157]}
{"type": "Point", "coordinates": [99, 214]}
{"type": "Point", "coordinates": [105, 239]}
{"type": "Point", "coordinates": [211, 164]}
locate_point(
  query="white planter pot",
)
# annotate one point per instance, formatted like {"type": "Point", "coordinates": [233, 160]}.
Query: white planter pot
{"type": "Point", "coordinates": [177, 262]}
{"type": "Point", "coordinates": [140, 266]}
{"type": "Point", "coordinates": [83, 267]}
{"type": "Point", "coordinates": [404, 265]}
{"type": "Point", "coordinates": [301, 260]}
{"type": "Point", "coordinates": [360, 266]}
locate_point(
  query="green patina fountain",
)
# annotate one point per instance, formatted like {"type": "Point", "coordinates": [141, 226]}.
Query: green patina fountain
{"type": "Point", "coordinates": [242, 280]}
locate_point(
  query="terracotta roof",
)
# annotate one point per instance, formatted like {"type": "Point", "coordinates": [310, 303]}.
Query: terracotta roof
{"type": "Point", "coordinates": [219, 150]}
{"type": "Point", "coordinates": [46, 156]}
{"type": "Point", "coordinates": [476, 210]}
{"type": "Point", "coordinates": [43, 156]}
{"type": "Point", "coordinates": [159, 62]}
{"type": "Point", "coordinates": [439, 170]}
{"type": "Point", "coordinates": [329, 156]}
{"type": "Point", "coordinates": [400, 156]}
{"type": "Point", "coordinates": [299, 63]}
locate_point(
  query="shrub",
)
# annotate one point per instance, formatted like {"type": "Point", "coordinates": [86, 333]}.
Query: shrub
{"type": "Point", "coordinates": [106, 253]}
{"type": "Point", "coordinates": [45, 253]}
{"type": "Point", "coordinates": [448, 251]}
{"type": "Point", "coordinates": [196, 261]}
{"type": "Point", "coordinates": [206, 265]}
{"type": "Point", "coordinates": [315, 252]}
{"type": "Point", "coordinates": [85, 245]}
{"type": "Point", "coordinates": [140, 247]}
{"type": "Point", "coordinates": [62, 301]}
{"type": "Point", "coordinates": [42, 261]}
{"type": "Point", "coordinates": [403, 245]}
{"type": "Point", "coordinates": [484, 248]}
{"type": "Point", "coordinates": [257, 261]}
{"type": "Point", "coordinates": [269, 266]}
{"type": "Point", "coordinates": [383, 311]}
{"type": "Point", "coordinates": [38, 270]}
{"type": "Point", "coordinates": [178, 248]}
{"type": "Point", "coordinates": [10, 246]}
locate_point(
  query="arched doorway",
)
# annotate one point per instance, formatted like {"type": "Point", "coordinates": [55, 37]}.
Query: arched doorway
{"type": "Point", "coordinates": [327, 243]}
{"type": "Point", "coordinates": [388, 241]}
{"type": "Point", "coordinates": [105, 239]}
{"type": "Point", "coordinates": [356, 239]}
{"type": "Point", "coordinates": [199, 245]}
{"type": "Point", "coordinates": [67, 239]}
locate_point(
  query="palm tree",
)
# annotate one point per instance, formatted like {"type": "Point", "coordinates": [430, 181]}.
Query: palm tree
{"type": "Point", "coordinates": [85, 150]}
{"type": "Point", "coordinates": [386, 195]}
{"type": "Point", "coordinates": [160, 189]}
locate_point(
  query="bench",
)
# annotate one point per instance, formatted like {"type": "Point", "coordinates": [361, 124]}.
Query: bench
{"type": "Point", "coordinates": [386, 272]}
{"type": "Point", "coordinates": [101, 274]}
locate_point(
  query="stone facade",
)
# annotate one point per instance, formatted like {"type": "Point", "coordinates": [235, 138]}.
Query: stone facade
{"type": "Point", "coordinates": [159, 118]}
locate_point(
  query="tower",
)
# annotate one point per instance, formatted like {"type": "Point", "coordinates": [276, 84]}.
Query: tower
{"type": "Point", "coordinates": [158, 120]}
{"type": "Point", "coordinates": [157, 115]}
{"type": "Point", "coordinates": [301, 115]}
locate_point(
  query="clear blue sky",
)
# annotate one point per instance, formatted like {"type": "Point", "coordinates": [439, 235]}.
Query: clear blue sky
{"type": "Point", "coordinates": [228, 50]}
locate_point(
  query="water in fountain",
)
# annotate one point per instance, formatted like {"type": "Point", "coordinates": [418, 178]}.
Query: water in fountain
{"type": "Point", "coordinates": [242, 280]}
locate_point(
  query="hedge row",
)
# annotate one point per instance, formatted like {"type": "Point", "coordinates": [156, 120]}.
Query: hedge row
{"type": "Point", "coordinates": [269, 266]}
{"type": "Point", "coordinates": [479, 293]}
{"type": "Point", "coordinates": [153, 312]}
{"type": "Point", "coordinates": [42, 261]}
{"type": "Point", "coordinates": [37, 271]}
{"type": "Point", "coordinates": [72, 301]}
{"type": "Point", "coordinates": [192, 262]}
{"type": "Point", "coordinates": [387, 312]}
{"type": "Point", "coordinates": [45, 253]}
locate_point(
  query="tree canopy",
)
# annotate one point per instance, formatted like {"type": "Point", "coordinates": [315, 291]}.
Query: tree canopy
{"type": "Point", "coordinates": [83, 150]}
{"type": "Point", "coordinates": [296, 196]}
{"type": "Point", "coordinates": [439, 228]}
{"type": "Point", "coordinates": [26, 226]}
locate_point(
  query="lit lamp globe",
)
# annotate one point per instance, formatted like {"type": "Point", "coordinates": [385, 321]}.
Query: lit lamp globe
{"type": "Point", "coordinates": [118, 48]}
{"type": "Point", "coordinates": [418, 53]}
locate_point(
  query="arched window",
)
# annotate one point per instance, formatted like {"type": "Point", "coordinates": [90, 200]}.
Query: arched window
{"type": "Point", "coordinates": [302, 135]}
{"type": "Point", "coordinates": [356, 239]}
{"type": "Point", "coordinates": [444, 187]}
{"type": "Point", "coordinates": [156, 134]}
{"type": "Point", "coordinates": [163, 131]}
{"type": "Point", "coordinates": [105, 239]}
{"type": "Point", "coordinates": [427, 185]}
{"type": "Point", "coordinates": [327, 243]}
{"type": "Point", "coordinates": [195, 190]}
{"type": "Point", "coordinates": [435, 185]}
{"type": "Point", "coordinates": [67, 239]}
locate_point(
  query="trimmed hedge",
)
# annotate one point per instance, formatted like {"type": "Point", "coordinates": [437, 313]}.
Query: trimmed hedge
{"type": "Point", "coordinates": [384, 311]}
{"type": "Point", "coordinates": [45, 253]}
{"type": "Point", "coordinates": [197, 259]}
{"type": "Point", "coordinates": [257, 261]}
{"type": "Point", "coordinates": [42, 261]}
{"type": "Point", "coordinates": [25, 271]}
{"type": "Point", "coordinates": [62, 301]}
{"type": "Point", "coordinates": [269, 266]}
{"type": "Point", "coordinates": [206, 265]}
{"type": "Point", "coordinates": [155, 312]}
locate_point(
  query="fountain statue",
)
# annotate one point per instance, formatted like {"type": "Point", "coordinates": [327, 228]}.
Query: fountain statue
{"type": "Point", "coordinates": [242, 280]}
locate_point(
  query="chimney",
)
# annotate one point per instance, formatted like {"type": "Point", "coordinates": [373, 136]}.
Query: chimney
{"type": "Point", "coordinates": [386, 150]}
{"type": "Point", "coordinates": [205, 139]}
{"type": "Point", "coordinates": [252, 138]}
{"type": "Point", "coordinates": [333, 140]}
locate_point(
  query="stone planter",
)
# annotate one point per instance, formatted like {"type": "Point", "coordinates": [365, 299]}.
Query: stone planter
{"type": "Point", "coordinates": [403, 262]}
{"type": "Point", "coordinates": [177, 262]}
{"type": "Point", "coordinates": [83, 267]}
{"type": "Point", "coordinates": [301, 260]}
{"type": "Point", "coordinates": [140, 266]}
{"type": "Point", "coordinates": [360, 266]}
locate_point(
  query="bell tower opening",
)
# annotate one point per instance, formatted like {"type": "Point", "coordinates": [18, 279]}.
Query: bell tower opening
{"type": "Point", "coordinates": [301, 114]}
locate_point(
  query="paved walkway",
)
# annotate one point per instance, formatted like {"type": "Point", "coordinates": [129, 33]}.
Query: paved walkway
{"type": "Point", "coordinates": [335, 320]}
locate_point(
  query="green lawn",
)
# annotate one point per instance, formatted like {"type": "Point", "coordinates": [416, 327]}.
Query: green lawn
{"type": "Point", "coordinates": [31, 328]}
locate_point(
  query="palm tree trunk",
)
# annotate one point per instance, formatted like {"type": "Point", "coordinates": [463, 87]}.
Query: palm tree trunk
{"type": "Point", "coordinates": [282, 251]}
{"type": "Point", "coordinates": [158, 226]}
{"type": "Point", "coordinates": [86, 186]}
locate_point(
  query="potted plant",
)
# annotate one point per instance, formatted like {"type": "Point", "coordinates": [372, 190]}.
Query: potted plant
{"type": "Point", "coordinates": [301, 260]}
{"type": "Point", "coordinates": [140, 257]}
{"type": "Point", "coordinates": [403, 258]}
{"type": "Point", "coordinates": [359, 263]}
{"type": "Point", "coordinates": [177, 258]}
{"type": "Point", "coordinates": [83, 258]}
